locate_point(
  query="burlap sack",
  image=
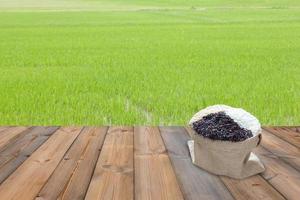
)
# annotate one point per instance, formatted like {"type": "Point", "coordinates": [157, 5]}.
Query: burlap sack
{"type": "Point", "coordinates": [233, 159]}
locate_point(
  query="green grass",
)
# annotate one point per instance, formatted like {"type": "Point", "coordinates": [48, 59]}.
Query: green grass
{"type": "Point", "coordinates": [147, 62]}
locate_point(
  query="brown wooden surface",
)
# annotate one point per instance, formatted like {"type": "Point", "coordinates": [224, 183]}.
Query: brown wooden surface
{"type": "Point", "coordinates": [281, 148]}
{"type": "Point", "coordinates": [113, 175]}
{"type": "Point", "coordinates": [287, 134]}
{"type": "Point", "coordinates": [279, 174]}
{"type": "Point", "coordinates": [135, 163]}
{"type": "Point", "coordinates": [77, 166]}
{"type": "Point", "coordinates": [17, 152]}
{"type": "Point", "coordinates": [154, 174]}
{"type": "Point", "coordinates": [30, 177]}
{"type": "Point", "coordinates": [9, 135]}
{"type": "Point", "coordinates": [195, 182]}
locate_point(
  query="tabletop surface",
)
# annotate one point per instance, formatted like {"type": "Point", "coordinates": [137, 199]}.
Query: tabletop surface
{"type": "Point", "coordinates": [141, 162]}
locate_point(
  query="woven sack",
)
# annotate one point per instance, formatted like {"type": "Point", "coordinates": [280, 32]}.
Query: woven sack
{"type": "Point", "coordinates": [233, 159]}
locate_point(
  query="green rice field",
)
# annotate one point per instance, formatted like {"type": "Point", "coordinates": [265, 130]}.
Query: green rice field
{"type": "Point", "coordinates": [150, 62]}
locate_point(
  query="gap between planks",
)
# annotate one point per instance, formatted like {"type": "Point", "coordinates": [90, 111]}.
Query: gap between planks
{"type": "Point", "coordinates": [30, 177]}
{"type": "Point", "coordinates": [113, 176]}
{"type": "Point", "coordinates": [16, 152]}
{"type": "Point", "coordinates": [286, 134]}
{"type": "Point", "coordinates": [195, 182]}
{"type": "Point", "coordinates": [76, 166]}
{"type": "Point", "coordinates": [154, 174]}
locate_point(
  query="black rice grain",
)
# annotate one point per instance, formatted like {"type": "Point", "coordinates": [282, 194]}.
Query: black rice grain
{"type": "Point", "coordinates": [219, 126]}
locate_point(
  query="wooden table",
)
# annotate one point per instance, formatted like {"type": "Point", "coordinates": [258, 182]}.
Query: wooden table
{"type": "Point", "coordinates": [135, 163]}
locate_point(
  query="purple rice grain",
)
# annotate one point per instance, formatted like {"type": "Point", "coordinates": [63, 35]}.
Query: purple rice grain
{"type": "Point", "coordinates": [219, 126]}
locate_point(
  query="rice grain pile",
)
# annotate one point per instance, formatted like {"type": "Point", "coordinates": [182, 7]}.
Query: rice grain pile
{"type": "Point", "coordinates": [219, 126]}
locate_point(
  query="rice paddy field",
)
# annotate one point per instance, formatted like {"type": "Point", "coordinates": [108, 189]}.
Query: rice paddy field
{"type": "Point", "coordinates": [100, 62]}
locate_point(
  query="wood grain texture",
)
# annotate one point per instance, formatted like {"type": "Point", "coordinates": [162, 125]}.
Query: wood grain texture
{"type": "Point", "coordinates": [134, 163]}
{"type": "Point", "coordinates": [243, 189]}
{"type": "Point", "coordinates": [282, 149]}
{"type": "Point", "coordinates": [76, 167]}
{"type": "Point", "coordinates": [195, 182]}
{"type": "Point", "coordinates": [9, 135]}
{"type": "Point", "coordinates": [296, 129]}
{"type": "Point", "coordinates": [254, 187]}
{"type": "Point", "coordinates": [189, 131]}
{"type": "Point", "coordinates": [29, 178]}
{"type": "Point", "coordinates": [279, 174]}
{"type": "Point", "coordinates": [17, 152]}
{"type": "Point", "coordinates": [2, 128]}
{"type": "Point", "coordinates": [154, 175]}
{"type": "Point", "coordinates": [113, 175]}
{"type": "Point", "coordinates": [286, 134]}
{"type": "Point", "coordinates": [291, 128]}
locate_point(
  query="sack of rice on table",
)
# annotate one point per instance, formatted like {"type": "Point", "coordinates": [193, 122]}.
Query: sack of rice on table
{"type": "Point", "coordinates": [223, 138]}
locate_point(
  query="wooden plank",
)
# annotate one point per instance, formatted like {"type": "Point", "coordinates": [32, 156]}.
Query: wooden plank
{"type": "Point", "coordinates": [295, 129]}
{"type": "Point", "coordinates": [254, 187]}
{"type": "Point", "coordinates": [29, 178]}
{"type": "Point", "coordinates": [2, 128]}
{"type": "Point", "coordinates": [280, 175]}
{"type": "Point", "coordinates": [291, 128]}
{"type": "Point", "coordinates": [76, 167]}
{"type": "Point", "coordinates": [17, 152]}
{"type": "Point", "coordinates": [154, 175]}
{"type": "Point", "coordinates": [195, 182]}
{"type": "Point", "coordinates": [285, 134]}
{"type": "Point", "coordinates": [113, 176]}
{"type": "Point", "coordinates": [9, 135]}
{"type": "Point", "coordinates": [282, 149]}
{"type": "Point", "coordinates": [189, 131]}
